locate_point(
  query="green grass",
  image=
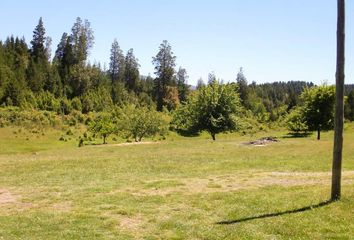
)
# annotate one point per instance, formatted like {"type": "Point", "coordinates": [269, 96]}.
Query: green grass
{"type": "Point", "coordinates": [175, 189]}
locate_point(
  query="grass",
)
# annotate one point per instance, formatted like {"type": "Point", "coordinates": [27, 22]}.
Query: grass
{"type": "Point", "coordinates": [181, 188]}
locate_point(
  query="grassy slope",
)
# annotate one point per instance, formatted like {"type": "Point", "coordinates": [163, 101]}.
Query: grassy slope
{"type": "Point", "coordinates": [177, 189]}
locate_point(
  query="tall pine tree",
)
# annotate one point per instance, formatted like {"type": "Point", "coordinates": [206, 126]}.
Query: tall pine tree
{"type": "Point", "coordinates": [131, 75]}
{"type": "Point", "coordinates": [164, 63]}
{"type": "Point", "coordinates": [116, 64]}
{"type": "Point", "coordinates": [183, 88]}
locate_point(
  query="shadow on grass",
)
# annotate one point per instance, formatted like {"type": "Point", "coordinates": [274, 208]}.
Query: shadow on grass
{"type": "Point", "coordinates": [276, 214]}
{"type": "Point", "coordinates": [187, 133]}
{"type": "Point", "coordinates": [297, 135]}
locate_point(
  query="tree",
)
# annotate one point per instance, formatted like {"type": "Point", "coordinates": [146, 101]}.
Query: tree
{"type": "Point", "coordinates": [103, 126]}
{"type": "Point", "coordinates": [319, 108]}
{"type": "Point", "coordinates": [38, 50]}
{"type": "Point", "coordinates": [200, 83]}
{"type": "Point", "coordinates": [82, 40]}
{"type": "Point", "coordinates": [131, 74]}
{"type": "Point", "coordinates": [164, 63]}
{"type": "Point", "coordinates": [183, 88]}
{"type": "Point", "coordinates": [349, 106]}
{"type": "Point", "coordinates": [339, 110]}
{"type": "Point", "coordinates": [38, 69]}
{"type": "Point", "coordinates": [213, 108]}
{"type": "Point", "coordinates": [242, 87]}
{"type": "Point", "coordinates": [171, 100]}
{"type": "Point", "coordinates": [116, 64]}
{"type": "Point", "coordinates": [140, 122]}
{"type": "Point", "coordinates": [295, 121]}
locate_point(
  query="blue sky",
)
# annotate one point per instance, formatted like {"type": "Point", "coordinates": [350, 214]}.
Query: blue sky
{"type": "Point", "coordinates": [273, 40]}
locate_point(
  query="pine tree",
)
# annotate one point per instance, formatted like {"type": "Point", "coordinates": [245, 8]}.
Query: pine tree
{"type": "Point", "coordinates": [116, 64]}
{"type": "Point", "coordinates": [242, 87]}
{"type": "Point", "coordinates": [38, 50]}
{"type": "Point", "coordinates": [82, 40]}
{"type": "Point", "coordinates": [183, 88]}
{"type": "Point", "coordinates": [131, 75]}
{"type": "Point", "coordinates": [164, 63]}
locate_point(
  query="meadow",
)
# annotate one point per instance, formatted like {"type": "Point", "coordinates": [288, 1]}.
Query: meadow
{"type": "Point", "coordinates": [178, 188]}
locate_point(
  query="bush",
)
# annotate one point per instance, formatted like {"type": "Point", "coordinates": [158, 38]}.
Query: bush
{"type": "Point", "coordinates": [65, 106]}
{"type": "Point", "coordinates": [140, 122]}
{"type": "Point", "coordinates": [76, 104]}
{"type": "Point", "coordinates": [295, 121]}
{"type": "Point", "coordinates": [47, 101]}
{"type": "Point", "coordinates": [27, 118]}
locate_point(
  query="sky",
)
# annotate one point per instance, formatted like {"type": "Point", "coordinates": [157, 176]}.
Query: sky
{"type": "Point", "coordinates": [273, 40]}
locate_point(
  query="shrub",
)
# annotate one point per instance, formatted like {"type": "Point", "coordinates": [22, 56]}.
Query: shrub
{"type": "Point", "coordinates": [102, 125]}
{"type": "Point", "coordinates": [295, 121]}
{"type": "Point", "coordinates": [140, 122]}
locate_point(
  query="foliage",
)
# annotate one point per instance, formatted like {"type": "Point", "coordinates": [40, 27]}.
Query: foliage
{"type": "Point", "coordinates": [164, 63]}
{"type": "Point", "coordinates": [349, 106]}
{"type": "Point", "coordinates": [295, 121]}
{"type": "Point", "coordinates": [131, 73]}
{"type": "Point", "coordinates": [214, 109]}
{"type": "Point", "coordinates": [102, 125]}
{"type": "Point", "coordinates": [182, 85]}
{"type": "Point", "coordinates": [139, 122]}
{"type": "Point", "coordinates": [318, 108]}
{"type": "Point", "coordinates": [14, 116]}
{"type": "Point", "coordinates": [117, 63]}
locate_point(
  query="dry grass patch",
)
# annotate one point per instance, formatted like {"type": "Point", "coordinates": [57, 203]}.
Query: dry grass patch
{"type": "Point", "coordinates": [227, 183]}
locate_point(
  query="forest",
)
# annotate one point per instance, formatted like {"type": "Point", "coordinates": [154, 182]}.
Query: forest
{"type": "Point", "coordinates": [68, 84]}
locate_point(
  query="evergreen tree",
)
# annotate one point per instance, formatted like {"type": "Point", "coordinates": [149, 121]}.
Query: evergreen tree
{"type": "Point", "coordinates": [117, 62]}
{"type": "Point", "coordinates": [242, 87]}
{"type": "Point", "coordinates": [38, 50]}
{"type": "Point", "coordinates": [200, 83]}
{"type": "Point", "coordinates": [164, 63]}
{"type": "Point", "coordinates": [82, 40]}
{"type": "Point", "coordinates": [183, 87]}
{"type": "Point", "coordinates": [131, 75]}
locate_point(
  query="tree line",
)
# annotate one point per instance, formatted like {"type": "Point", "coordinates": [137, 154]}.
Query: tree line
{"type": "Point", "coordinates": [31, 78]}
{"type": "Point", "coordinates": [29, 75]}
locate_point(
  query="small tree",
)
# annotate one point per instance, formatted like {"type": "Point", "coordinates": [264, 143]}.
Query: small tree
{"type": "Point", "coordinates": [213, 109]}
{"type": "Point", "coordinates": [140, 122]}
{"type": "Point", "coordinates": [319, 108]}
{"type": "Point", "coordinates": [295, 121]}
{"type": "Point", "coordinates": [103, 126]}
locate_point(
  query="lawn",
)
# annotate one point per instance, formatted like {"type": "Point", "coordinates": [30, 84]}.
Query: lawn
{"type": "Point", "coordinates": [179, 188]}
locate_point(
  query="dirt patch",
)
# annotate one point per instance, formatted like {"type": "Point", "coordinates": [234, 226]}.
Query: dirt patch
{"type": "Point", "coordinates": [262, 141]}
{"type": "Point", "coordinates": [6, 197]}
{"type": "Point", "coordinates": [125, 144]}
{"type": "Point", "coordinates": [130, 223]}
{"type": "Point", "coordinates": [62, 207]}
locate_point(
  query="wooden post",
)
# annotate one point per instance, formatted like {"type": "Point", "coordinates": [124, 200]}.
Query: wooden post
{"type": "Point", "coordinates": [339, 111]}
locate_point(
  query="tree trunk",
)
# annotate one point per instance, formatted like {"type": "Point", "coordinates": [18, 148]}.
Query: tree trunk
{"type": "Point", "coordinates": [104, 139]}
{"type": "Point", "coordinates": [339, 111]}
{"type": "Point", "coordinates": [318, 134]}
{"type": "Point", "coordinates": [213, 136]}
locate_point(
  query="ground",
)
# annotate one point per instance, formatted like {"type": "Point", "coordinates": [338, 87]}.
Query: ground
{"type": "Point", "coordinates": [179, 188]}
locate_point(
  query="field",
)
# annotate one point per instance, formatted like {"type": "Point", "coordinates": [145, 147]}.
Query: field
{"type": "Point", "coordinates": [180, 188]}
